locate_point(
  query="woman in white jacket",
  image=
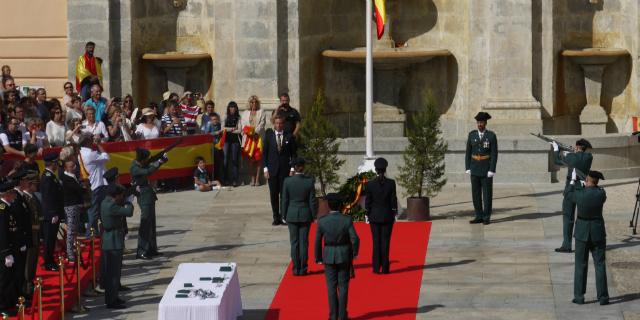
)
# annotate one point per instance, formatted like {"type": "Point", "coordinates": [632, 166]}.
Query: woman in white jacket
{"type": "Point", "coordinates": [255, 118]}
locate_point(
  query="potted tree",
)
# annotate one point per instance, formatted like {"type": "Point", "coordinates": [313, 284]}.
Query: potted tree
{"type": "Point", "coordinates": [423, 169]}
{"type": "Point", "coordinates": [319, 147]}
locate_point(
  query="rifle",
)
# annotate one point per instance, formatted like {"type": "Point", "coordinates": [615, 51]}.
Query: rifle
{"type": "Point", "coordinates": [561, 146]}
{"type": "Point", "coordinates": [164, 151]}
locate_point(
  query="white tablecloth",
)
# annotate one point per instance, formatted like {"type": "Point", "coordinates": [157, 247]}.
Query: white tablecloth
{"type": "Point", "coordinates": [226, 305]}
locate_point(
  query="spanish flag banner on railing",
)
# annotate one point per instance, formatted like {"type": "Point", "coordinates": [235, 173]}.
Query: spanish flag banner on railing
{"type": "Point", "coordinates": [181, 158]}
{"type": "Point", "coordinates": [381, 16]}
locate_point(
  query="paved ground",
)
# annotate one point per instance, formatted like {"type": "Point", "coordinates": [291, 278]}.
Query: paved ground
{"type": "Point", "coordinates": [506, 270]}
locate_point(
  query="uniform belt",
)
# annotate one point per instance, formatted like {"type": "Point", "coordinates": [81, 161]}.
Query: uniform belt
{"type": "Point", "coordinates": [336, 244]}
{"type": "Point", "coordinates": [589, 219]}
{"type": "Point", "coordinates": [480, 157]}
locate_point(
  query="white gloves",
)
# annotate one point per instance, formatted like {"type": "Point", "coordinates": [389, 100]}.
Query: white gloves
{"type": "Point", "coordinates": [574, 176]}
{"type": "Point", "coordinates": [555, 146]}
{"type": "Point", "coordinates": [366, 219]}
{"type": "Point", "coordinates": [8, 261]}
{"type": "Point", "coordinates": [490, 174]}
{"type": "Point", "coordinates": [468, 172]}
{"type": "Point", "coordinates": [23, 248]}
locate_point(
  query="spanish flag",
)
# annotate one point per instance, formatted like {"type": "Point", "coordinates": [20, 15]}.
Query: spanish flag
{"type": "Point", "coordinates": [636, 124]}
{"type": "Point", "coordinates": [381, 16]}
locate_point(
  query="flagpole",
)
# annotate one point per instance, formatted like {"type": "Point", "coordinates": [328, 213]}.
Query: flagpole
{"type": "Point", "coordinates": [369, 82]}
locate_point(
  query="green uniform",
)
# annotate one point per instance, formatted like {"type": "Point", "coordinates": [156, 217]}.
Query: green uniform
{"type": "Point", "coordinates": [581, 161]}
{"type": "Point", "coordinates": [590, 236]}
{"type": "Point", "coordinates": [481, 157]}
{"type": "Point", "coordinates": [341, 244]}
{"type": "Point", "coordinates": [147, 243]}
{"type": "Point", "coordinates": [299, 207]}
{"type": "Point", "coordinates": [112, 245]}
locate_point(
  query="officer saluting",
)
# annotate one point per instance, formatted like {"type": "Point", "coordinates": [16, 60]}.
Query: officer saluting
{"type": "Point", "coordinates": [140, 171]}
{"type": "Point", "coordinates": [381, 205]}
{"type": "Point", "coordinates": [580, 160]}
{"type": "Point", "coordinates": [52, 208]}
{"type": "Point", "coordinates": [480, 162]}
{"type": "Point", "coordinates": [299, 207]}
{"type": "Point", "coordinates": [8, 249]}
{"type": "Point", "coordinates": [341, 245]}
{"type": "Point", "coordinates": [590, 237]}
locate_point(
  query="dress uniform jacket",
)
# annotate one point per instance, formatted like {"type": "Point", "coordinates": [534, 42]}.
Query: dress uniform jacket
{"type": "Point", "coordinates": [482, 153]}
{"type": "Point", "coordinates": [8, 247]}
{"type": "Point", "coordinates": [299, 202]}
{"type": "Point", "coordinates": [579, 160]}
{"type": "Point", "coordinates": [381, 202]}
{"type": "Point", "coordinates": [341, 242]}
{"type": "Point", "coordinates": [112, 222]}
{"type": "Point", "coordinates": [590, 223]}
{"type": "Point", "coordinates": [52, 196]}
{"type": "Point", "coordinates": [140, 177]}
{"type": "Point", "coordinates": [20, 211]}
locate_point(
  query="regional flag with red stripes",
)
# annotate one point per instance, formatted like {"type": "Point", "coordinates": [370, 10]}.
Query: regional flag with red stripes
{"type": "Point", "coordinates": [381, 16]}
{"type": "Point", "coordinates": [636, 123]}
{"type": "Point", "coordinates": [181, 158]}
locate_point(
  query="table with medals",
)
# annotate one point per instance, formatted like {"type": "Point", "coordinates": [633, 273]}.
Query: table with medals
{"type": "Point", "coordinates": [202, 291]}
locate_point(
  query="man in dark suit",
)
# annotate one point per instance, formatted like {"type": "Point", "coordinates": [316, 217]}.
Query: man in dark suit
{"type": "Point", "coordinates": [381, 205]}
{"type": "Point", "coordinates": [52, 208]}
{"type": "Point", "coordinates": [481, 159]}
{"type": "Point", "coordinates": [299, 207]}
{"type": "Point", "coordinates": [279, 150]}
{"type": "Point", "coordinates": [20, 211]}
{"type": "Point", "coordinates": [114, 208]}
{"type": "Point", "coordinates": [590, 237]}
{"type": "Point", "coordinates": [579, 160]}
{"type": "Point", "coordinates": [341, 245]}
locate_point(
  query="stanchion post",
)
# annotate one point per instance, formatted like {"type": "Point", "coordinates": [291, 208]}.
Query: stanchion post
{"type": "Point", "coordinates": [21, 301]}
{"type": "Point", "coordinates": [92, 256]}
{"type": "Point", "coordinates": [61, 271]}
{"type": "Point", "coordinates": [39, 295]}
{"type": "Point", "coordinates": [78, 308]}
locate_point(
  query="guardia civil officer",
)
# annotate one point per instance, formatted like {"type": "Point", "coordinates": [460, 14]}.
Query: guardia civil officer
{"type": "Point", "coordinates": [8, 249]}
{"type": "Point", "coordinates": [299, 207]}
{"type": "Point", "coordinates": [481, 158]}
{"type": "Point", "coordinates": [52, 208]}
{"type": "Point", "coordinates": [381, 205]}
{"type": "Point", "coordinates": [140, 171]}
{"type": "Point", "coordinates": [581, 160]}
{"type": "Point", "coordinates": [20, 211]}
{"type": "Point", "coordinates": [590, 238]}
{"type": "Point", "coordinates": [341, 245]}
{"type": "Point", "coordinates": [113, 209]}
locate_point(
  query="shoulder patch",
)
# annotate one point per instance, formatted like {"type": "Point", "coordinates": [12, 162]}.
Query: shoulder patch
{"type": "Point", "coordinates": [3, 206]}
{"type": "Point", "coordinates": [47, 174]}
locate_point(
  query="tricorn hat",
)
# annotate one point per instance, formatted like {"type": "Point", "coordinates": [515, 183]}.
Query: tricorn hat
{"type": "Point", "coordinates": [299, 161]}
{"type": "Point", "coordinates": [380, 163]}
{"type": "Point", "coordinates": [334, 197]}
{"type": "Point", "coordinates": [482, 116]}
{"type": "Point", "coordinates": [142, 154]}
{"type": "Point", "coordinates": [596, 174]}
{"type": "Point", "coordinates": [7, 186]}
{"type": "Point", "coordinates": [51, 157]}
{"type": "Point", "coordinates": [111, 174]}
{"type": "Point", "coordinates": [584, 143]}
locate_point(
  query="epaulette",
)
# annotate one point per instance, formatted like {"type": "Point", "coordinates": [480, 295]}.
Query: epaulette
{"type": "Point", "coordinates": [47, 173]}
{"type": "Point", "coordinates": [3, 206]}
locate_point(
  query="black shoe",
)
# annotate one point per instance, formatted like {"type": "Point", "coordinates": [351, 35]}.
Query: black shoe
{"type": "Point", "coordinates": [124, 288]}
{"type": "Point", "coordinates": [604, 302]}
{"type": "Point", "coordinates": [578, 301]}
{"type": "Point", "coordinates": [283, 223]}
{"type": "Point", "coordinates": [564, 250]}
{"type": "Point", "coordinates": [275, 223]}
{"type": "Point", "coordinates": [143, 257]}
{"type": "Point", "coordinates": [116, 306]}
{"type": "Point", "coordinates": [486, 222]}
{"type": "Point", "coordinates": [476, 220]}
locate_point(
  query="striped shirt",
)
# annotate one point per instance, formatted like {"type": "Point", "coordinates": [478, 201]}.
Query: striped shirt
{"type": "Point", "coordinates": [176, 129]}
{"type": "Point", "coordinates": [190, 114]}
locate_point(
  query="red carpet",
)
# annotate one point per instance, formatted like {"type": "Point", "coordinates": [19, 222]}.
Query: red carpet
{"type": "Point", "coordinates": [371, 296]}
{"type": "Point", "coordinates": [51, 285]}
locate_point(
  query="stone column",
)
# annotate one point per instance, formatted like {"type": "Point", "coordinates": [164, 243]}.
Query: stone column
{"type": "Point", "coordinates": [89, 21]}
{"type": "Point", "coordinates": [510, 100]}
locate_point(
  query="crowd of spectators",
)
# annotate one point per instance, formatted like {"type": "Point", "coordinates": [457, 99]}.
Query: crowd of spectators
{"type": "Point", "coordinates": [34, 120]}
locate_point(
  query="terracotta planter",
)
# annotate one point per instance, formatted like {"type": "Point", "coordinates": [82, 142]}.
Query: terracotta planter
{"type": "Point", "coordinates": [418, 209]}
{"type": "Point", "coordinates": [323, 207]}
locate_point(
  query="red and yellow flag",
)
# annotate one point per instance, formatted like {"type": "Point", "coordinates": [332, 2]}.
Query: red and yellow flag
{"type": "Point", "coordinates": [87, 66]}
{"type": "Point", "coordinates": [251, 144]}
{"type": "Point", "coordinates": [381, 16]}
{"type": "Point", "coordinates": [181, 158]}
{"type": "Point", "coordinates": [636, 123]}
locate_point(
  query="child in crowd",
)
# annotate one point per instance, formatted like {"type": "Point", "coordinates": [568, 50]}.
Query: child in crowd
{"type": "Point", "coordinates": [201, 179]}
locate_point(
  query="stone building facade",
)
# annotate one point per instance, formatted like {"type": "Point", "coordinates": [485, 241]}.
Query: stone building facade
{"type": "Point", "coordinates": [506, 57]}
